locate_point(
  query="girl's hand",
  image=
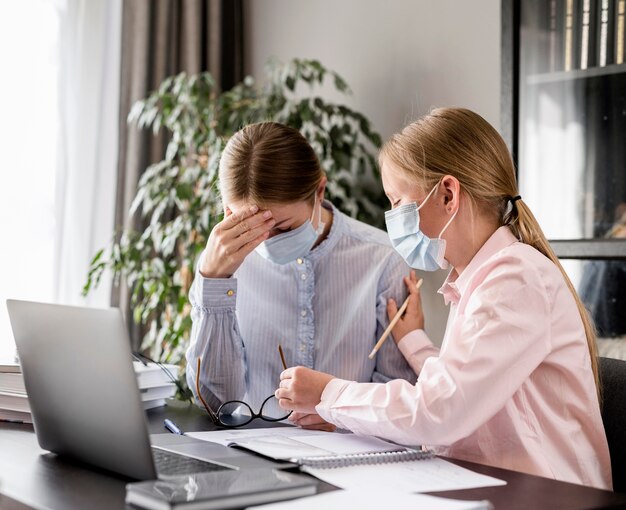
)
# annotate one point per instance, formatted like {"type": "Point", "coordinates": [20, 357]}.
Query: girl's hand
{"type": "Point", "coordinates": [311, 421]}
{"type": "Point", "coordinates": [301, 389]}
{"type": "Point", "coordinates": [233, 239]}
{"type": "Point", "coordinates": [413, 316]}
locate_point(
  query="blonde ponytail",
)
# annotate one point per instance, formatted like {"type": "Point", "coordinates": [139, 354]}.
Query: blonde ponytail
{"type": "Point", "coordinates": [526, 228]}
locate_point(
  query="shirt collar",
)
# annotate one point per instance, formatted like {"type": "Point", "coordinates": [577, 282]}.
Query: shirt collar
{"type": "Point", "coordinates": [455, 284]}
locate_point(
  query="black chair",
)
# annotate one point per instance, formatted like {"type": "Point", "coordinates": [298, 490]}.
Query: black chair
{"type": "Point", "coordinates": [613, 380]}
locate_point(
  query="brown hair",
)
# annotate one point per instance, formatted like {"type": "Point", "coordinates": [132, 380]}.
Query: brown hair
{"type": "Point", "coordinates": [269, 163]}
{"type": "Point", "coordinates": [459, 142]}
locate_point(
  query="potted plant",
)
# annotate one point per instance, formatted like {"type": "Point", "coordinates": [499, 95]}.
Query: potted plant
{"type": "Point", "coordinates": [178, 198]}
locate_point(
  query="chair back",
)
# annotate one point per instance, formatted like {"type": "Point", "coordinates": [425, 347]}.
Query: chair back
{"type": "Point", "coordinates": [613, 380]}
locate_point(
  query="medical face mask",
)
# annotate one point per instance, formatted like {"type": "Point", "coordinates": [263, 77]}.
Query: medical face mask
{"type": "Point", "coordinates": [287, 247]}
{"type": "Point", "coordinates": [418, 250]}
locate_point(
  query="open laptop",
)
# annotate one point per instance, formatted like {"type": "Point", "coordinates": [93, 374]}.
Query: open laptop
{"type": "Point", "coordinates": [85, 402]}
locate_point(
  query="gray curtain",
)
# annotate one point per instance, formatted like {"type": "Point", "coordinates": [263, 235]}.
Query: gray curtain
{"type": "Point", "coordinates": [161, 38]}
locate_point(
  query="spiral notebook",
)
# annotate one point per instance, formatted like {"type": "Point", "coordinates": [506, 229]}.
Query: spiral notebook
{"type": "Point", "coordinates": [357, 459]}
{"type": "Point", "coordinates": [314, 448]}
{"type": "Point", "coordinates": [350, 461]}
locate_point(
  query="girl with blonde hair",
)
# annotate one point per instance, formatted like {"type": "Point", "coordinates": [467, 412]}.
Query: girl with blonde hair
{"type": "Point", "coordinates": [515, 384]}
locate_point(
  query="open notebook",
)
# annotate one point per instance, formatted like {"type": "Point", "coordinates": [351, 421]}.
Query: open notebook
{"type": "Point", "coordinates": [350, 461]}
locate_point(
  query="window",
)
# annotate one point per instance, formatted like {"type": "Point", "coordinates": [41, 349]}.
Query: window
{"type": "Point", "coordinates": [29, 31]}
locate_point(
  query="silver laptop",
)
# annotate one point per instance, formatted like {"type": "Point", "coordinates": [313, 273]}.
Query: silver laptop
{"type": "Point", "coordinates": [84, 398]}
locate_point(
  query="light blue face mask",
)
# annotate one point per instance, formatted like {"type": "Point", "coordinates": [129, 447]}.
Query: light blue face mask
{"type": "Point", "coordinates": [418, 250]}
{"type": "Point", "coordinates": [287, 247]}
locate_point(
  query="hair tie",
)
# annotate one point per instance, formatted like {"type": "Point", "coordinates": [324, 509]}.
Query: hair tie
{"type": "Point", "coordinates": [511, 211]}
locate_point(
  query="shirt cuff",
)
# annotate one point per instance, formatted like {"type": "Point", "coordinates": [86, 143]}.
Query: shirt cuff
{"type": "Point", "coordinates": [413, 342]}
{"type": "Point", "coordinates": [331, 393]}
{"type": "Point", "coordinates": [216, 292]}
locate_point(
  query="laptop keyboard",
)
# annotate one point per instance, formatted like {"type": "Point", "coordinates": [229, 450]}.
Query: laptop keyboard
{"type": "Point", "coordinates": [168, 463]}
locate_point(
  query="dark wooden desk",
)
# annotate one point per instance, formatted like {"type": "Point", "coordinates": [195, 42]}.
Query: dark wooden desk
{"type": "Point", "coordinates": [31, 477]}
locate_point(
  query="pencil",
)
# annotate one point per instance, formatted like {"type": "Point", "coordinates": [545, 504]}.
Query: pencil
{"type": "Point", "coordinates": [282, 356]}
{"type": "Point", "coordinates": [393, 322]}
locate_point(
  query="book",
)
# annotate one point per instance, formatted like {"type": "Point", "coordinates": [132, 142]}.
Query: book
{"type": "Point", "coordinates": [312, 447]}
{"type": "Point", "coordinates": [556, 33]}
{"type": "Point", "coordinates": [220, 489]}
{"type": "Point", "coordinates": [588, 34]}
{"type": "Point", "coordinates": [606, 32]}
{"type": "Point", "coordinates": [350, 461]}
{"type": "Point", "coordinates": [15, 416]}
{"type": "Point", "coordinates": [10, 368]}
{"type": "Point", "coordinates": [357, 459]}
{"type": "Point", "coordinates": [573, 24]}
{"type": "Point", "coordinates": [157, 392]}
{"type": "Point", "coordinates": [12, 382]}
{"type": "Point", "coordinates": [152, 404]}
{"type": "Point", "coordinates": [13, 399]}
{"type": "Point", "coordinates": [620, 31]}
{"type": "Point", "coordinates": [14, 402]}
{"type": "Point", "coordinates": [154, 374]}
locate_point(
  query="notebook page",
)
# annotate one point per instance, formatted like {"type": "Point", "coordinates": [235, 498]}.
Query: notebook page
{"type": "Point", "coordinates": [427, 475]}
{"type": "Point", "coordinates": [341, 444]}
{"type": "Point", "coordinates": [231, 436]}
{"type": "Point", "coordinates": [294, 443]}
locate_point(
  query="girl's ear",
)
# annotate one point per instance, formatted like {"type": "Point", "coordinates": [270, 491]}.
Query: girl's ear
{"type": "Point", "coordinates": [451, 192]}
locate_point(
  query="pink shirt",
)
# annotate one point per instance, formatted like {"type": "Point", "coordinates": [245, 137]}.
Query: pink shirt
{"type": "Point", "coordinates": [512, 386]}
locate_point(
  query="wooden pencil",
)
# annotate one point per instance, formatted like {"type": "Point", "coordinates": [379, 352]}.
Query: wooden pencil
{"type": "Point", "coordinates": [282, 356]}
{"type": "Point", "coordinates": [393, 322]}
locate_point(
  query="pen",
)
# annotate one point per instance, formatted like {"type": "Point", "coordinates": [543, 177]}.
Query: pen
{"type": "Point", "coordinates": [393, 322]}
{"type": "Point", "coordinates": [172, 427]}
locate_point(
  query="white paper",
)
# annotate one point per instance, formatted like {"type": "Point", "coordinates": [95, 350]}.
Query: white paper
{"type": "Point", "coordinates": [375, 500]}
{"type": "Point", "coordinates": [428, 475]}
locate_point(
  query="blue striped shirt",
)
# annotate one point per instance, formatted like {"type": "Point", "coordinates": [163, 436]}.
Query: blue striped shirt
{"type": "Point", "coordinates": [327, 310]}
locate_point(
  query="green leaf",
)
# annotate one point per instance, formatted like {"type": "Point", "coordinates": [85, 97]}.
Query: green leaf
{"type": "Point", "coordinates": [184, 191]}
{"type": "Point", "coordinates": [340, 84]}
{"type": "Point", "coordinates": [290, 82]}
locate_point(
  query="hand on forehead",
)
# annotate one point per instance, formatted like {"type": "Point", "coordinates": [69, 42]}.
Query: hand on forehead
{"type": "Point", "coordinates": [286, 215]}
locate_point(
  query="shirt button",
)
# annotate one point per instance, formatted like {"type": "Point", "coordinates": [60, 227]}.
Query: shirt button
{"type": "Point", "coordinates": [230, 292]}
{"type": "Point", "coordinates": [303, 276]}
{"type": "Point", "coordinates": [302, 348]}
{"type": "Point", "coordinates": [300, 261]}
{"type": "Point", "coordinates": [303, 313]}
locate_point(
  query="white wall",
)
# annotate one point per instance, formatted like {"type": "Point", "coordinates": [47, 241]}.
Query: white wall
{"type": "Point", "coordinates": [400, 57]}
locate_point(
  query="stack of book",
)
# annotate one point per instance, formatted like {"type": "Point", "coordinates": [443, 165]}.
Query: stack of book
{"type": "Point", "coordinates": [13, 399]}
{"type": "Point", "coordinates": [156, 382]}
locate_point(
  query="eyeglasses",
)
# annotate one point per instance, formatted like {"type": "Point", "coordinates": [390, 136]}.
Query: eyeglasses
{"type": "Point", "coordinates": [229, 414]}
